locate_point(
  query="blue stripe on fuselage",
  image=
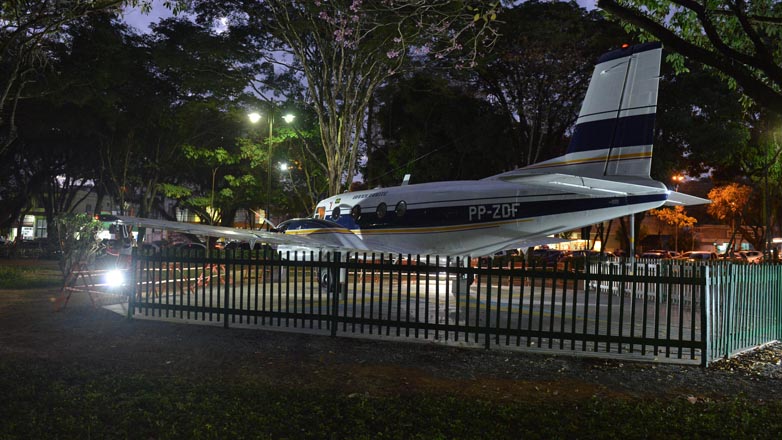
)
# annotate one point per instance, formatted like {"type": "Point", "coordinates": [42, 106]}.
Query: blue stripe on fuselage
{"type": "Point", "coordinates": [486, 212]}
{"type": "Point", "coordinates": [597, 135]}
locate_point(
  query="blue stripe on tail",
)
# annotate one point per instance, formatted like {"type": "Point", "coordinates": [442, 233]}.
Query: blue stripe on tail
{"type": "Point", "coordinates": [597, 135]}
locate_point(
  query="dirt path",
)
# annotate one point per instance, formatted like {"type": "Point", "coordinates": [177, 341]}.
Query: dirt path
{"type": "Point", "coordinates": [103, 342]}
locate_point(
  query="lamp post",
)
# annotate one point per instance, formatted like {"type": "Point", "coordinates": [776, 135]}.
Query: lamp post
{"type": "Point", "coordinates": [254, 118]}
{"type": "Point", "coordinates": [678, 178]}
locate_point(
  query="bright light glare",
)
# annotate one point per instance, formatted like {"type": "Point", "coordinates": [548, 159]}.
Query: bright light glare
{"type": "Point", "coordinates": [288, 118]}
{"type": "Point", "coordinates": [283, 166]}
{"type": "Point", "coordinates": [115, 278]}
{"type": "Point", "coordinates": [254, 117]}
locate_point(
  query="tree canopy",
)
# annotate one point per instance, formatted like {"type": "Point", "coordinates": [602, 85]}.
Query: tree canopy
{"type": "Point", "coordinates": [343, 50]}
{"type": "Point", "coordinates": [739, 39]}
{"type": "Point", "coordinates": [538, 72]}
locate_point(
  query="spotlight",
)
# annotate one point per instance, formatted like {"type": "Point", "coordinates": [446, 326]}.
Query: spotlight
{"type": "Point", "coordinates": [115, 278]}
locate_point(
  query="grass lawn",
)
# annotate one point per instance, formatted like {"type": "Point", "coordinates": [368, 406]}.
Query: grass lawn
{"type": "Point", "coordinates": [46, 401]}
{"type": "Point", "coordinates": [32, 274]}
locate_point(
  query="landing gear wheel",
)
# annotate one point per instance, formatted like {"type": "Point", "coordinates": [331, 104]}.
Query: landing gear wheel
{"type": "Point", "coordinates": [325, 280]}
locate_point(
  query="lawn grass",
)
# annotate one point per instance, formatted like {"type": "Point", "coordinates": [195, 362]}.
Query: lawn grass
{"type": "Point", "coordinates": [41, 400]}
{"type": "Point", "coordinates": [34, 276]}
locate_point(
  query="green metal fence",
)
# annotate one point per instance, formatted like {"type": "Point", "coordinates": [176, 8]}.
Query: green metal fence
{"type": "Point", "coordinates": [744, 307]}
{"type": "Point", "coordinates": [683, 312]}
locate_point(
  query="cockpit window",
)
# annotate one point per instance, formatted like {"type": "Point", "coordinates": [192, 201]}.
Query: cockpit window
{"type": "Point", "coordinates": [381, 210]}
{"type": "Point", "coordinates": [355, 212]}
{"type": "Point", "coordinates": [401, 208]}
{"type": "Point", "coordinates": [335, 214]}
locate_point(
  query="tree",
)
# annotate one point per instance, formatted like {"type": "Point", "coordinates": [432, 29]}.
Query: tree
{"type": "Point", "coordinates": [119, 120]}
{"type": "Point", "coordinates": [676, 217]}
{"type": "Point", "coordinates": [538, 72]}
{"type": "Point", "coordinates": [52, 158]}
{"type": "Point", "coordinates": [761, 163]}
{"type": "Point", "coordinates": [701, 126]}
{"type": "Point", "coordinates": [303, 183]}
{"type": "Point", "coordinates": [343, 50]}
{"type": "Point", "coordinates": [434, 129]}
{"type": "Point", "coordinates": [27, 30]}
{"type": "Point", "coordinates": [77, 239]}
{"type": "Point", "coordinates": [195, 79]}
{"type": "Point", "coordinates": [739, 39]}
{"type": "Point", "coordinates": [728, 202]}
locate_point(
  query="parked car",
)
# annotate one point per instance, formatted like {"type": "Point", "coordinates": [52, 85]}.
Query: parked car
{"type": "Point", "coordinates": [655, 255]}
{"type": "Point", "coordinates": [240, 245]}
{"type": "Point", "coordinates": [732, 256]}
{"type": "Point", "coordinates": [752, 257]}
{"type": "Point", "coordinates": [548, 257]}
{"type": "Point", "coordinates": [588, 254]}
{"type": "Point", "coordinates": [155, 245]}
{"type": "Point", "coordinates": [577, 260]}
{"type": "Point", "coordinates": [699, 256]}
{"type": "Point", "coordinates": [190, 248]}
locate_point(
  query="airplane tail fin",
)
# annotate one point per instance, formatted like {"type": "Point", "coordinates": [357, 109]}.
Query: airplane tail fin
{"type": "Point", "coordinates": [615, 128]}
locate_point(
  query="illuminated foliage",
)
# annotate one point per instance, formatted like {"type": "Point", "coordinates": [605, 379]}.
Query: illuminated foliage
{"type": "Point", "coordinates": [675, 216]}
{"type": "Point", "coordinates": [728, 201]}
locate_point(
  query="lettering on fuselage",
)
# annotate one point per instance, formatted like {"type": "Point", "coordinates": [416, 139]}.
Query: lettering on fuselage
{"type": "Point", "coordinates": [366, 196]}
{"type": "Point", "coordinates": [499, 211]}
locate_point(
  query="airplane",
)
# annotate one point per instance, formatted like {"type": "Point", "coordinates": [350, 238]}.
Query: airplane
{"type": "Point", "coordinates": [604, 174]}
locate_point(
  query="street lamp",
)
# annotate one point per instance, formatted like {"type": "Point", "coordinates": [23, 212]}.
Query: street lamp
{"type": "Point", "coordinates": [254, 117]}
{"type": "Point", "coordinates": [677, 179]}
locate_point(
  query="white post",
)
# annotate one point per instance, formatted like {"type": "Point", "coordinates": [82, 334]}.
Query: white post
{"type": "Point", "coordinates": [632, 235]}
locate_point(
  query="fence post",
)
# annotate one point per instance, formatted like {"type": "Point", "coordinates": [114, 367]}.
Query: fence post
{"type": "Point", "coordinates": [706, 318]}
{"type": "Point", "coordinates": [487, 328]}
{"type": "Point", "coordinates": [132, 284]}
{"type": "Point", "coordinates": [336, 282]}
{"type": "Point", "coordinates": [226, 296]}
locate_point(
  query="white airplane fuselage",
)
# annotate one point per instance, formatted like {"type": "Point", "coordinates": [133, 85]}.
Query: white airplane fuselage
{"type": "Point", "coordinates": [477, 217]}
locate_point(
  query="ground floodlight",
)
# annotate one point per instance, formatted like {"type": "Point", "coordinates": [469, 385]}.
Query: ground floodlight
{"type": "Point", "coordinates": [115, 278]}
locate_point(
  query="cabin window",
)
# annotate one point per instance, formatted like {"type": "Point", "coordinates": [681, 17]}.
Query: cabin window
{"type": "Point", "coordinates": [355, 212]}
{"type": "Point", "coordinates": [335, 214]}
{"type": "Point", "coordinates": [381, 210]}
{"type": "Point", "coordinates": [401, 208]}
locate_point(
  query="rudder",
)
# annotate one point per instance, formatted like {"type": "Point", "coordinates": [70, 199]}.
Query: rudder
{"type": "Point", "coordinates": [614, 132]}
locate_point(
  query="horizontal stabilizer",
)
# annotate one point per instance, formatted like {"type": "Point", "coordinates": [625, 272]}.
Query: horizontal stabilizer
{"type": "Point", "coordinates": [677, 198]}
{"type": "Point", "coordinates": [585, 185]}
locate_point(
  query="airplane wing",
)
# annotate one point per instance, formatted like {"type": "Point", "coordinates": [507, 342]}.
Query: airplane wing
{"type": "Point", "coordinates": [312, 241]}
